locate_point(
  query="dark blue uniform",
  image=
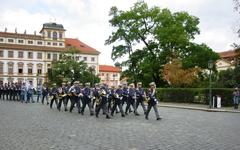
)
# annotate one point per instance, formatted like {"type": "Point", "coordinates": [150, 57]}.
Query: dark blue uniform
{"type": "Point", "coordinates": [87, 96]}
{"type": "Point", "coordinates": [140, 98]}
{"type": "Point", "coordinates": [131, 101]}
{"type": "Point", "coordinates": [75, 91]}
{"type": "Point", "coordinates": [103, 102]}
{"type": "Point", "coordinates": [117, 101]}
{"type": "Point", "coordinates": [152, 102]}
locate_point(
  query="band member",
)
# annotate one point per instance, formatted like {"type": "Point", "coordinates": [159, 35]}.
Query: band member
{"type": "Point", "coordinates": [87, 96]}
{"type": "Point", "coordinates": [117, 100]}
{"type": "Point", "coordinates": [75, 99]}
{"type": "Point", "coordinates": [1, 90]}
{"type": "Point", "coordinates": [54, 94]}
{"type": "Point", "coordinates": [62, 96]}
{"type": "Point", "coordinates": [141, 95]}
{"type": "Point", "coordinates": [23, 93]}
{"type": "Point", "coordinates": [45, 92]}
{"type": "Point", "coordinates": [30, 92]}
{"type": "Point", "coordinates": [111, 92]}
{"type": "Point", "coordinates": [152, 101]}
{"type": "Point", "coordinates": [39, 91]}
{"type": "Point", "coordinates": [68, 96]}
{"type": "Point", "coordinates": [131, 99]}
{"type": "Point", "coordinates": [102, 102]}
{"type": "Point", "coordinates": [96, 95]}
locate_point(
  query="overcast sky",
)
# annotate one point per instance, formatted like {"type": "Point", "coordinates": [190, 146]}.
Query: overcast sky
{"type": "Point", "coordinates": [87, 20]}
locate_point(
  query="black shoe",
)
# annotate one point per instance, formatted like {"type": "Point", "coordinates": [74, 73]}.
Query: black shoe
{"type": "Point", "coordinates": [123, 115]}
{"type": "Point", "coordinates": [136, 114]}
{"type": "Point", "coordinates": [58, 109]}
{"type": "Point", "coordinates": [117, 112]}
{"type": "Point", "coordinates": [47, 103]}
{"type": "Point", "coordinates": [91, 114]}
{"type": "Point", "coordinates": [111, 114]}
{"type": "Point", "coordinates": [146, 117]}
{"type": "Point", "coordinates": [159, 118]}
{"type": "Point", "coordinates": [145, 113]}
{"type": "Point", "coordinates": [126, 113]}
{"type": "Point", "coordinates": [107, 117]}
{"type": "Point", "coordinates": [65, 109]}
{"type": "Point", "coordinates": [96, 115]}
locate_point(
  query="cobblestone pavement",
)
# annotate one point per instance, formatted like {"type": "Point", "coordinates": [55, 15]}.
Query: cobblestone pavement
{"type": "Point", "coordinates": [36, 127]}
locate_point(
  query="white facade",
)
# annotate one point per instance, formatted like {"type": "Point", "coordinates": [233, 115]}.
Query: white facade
{"type": "Point", "coordinates": [27, 57]}
{"type": "Point", "coordinates": [223, 65]}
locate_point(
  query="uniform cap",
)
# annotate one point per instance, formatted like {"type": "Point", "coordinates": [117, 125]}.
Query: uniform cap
{"type": "Point", "coordinates": [87, 83]}
{"type": "Point", "coordinates": [76, 82]}
{"type": "Point", "coordinates": [139, 83]}
{"type": "Point", "coordinates": [54, 84]}
{"type": "Point", "coordinates": [152, 84]}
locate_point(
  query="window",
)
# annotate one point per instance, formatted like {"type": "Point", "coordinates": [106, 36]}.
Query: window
{"type": "Point", "coordinates": [20, 71]}
{"type": "Point", "coordinates": [1, 67]}
{"type": "Point", "coordinates": [49, 34]}
{"type": "Point", "coordinates": [30, 42]}
{"type": "Point", "coordinates": [48, 56]}
{"type": "Point", "coordinates": [85, 58]}
{"type": "Point", "coordinates": [1, 53]}
{"type": "Point", "coordinates": [77, 58]}
{"type": "Point", "coordinates": [10, 68]}
{"type": "Point", "coordinates": [54, 35]}
{"type": "Point", "coordinates": [60, 44]}
{"type": "Point", "coordinates": [39, 71]}
{"type": "Point", "coordinates": [20, 41]}
{"type": "Point", "coordinates": [54, 44]}
{"type": "Point", "coordinates": [48, 43]}
{"type": "Point", "coordinates": [102, 74]}
{"type": "Point", "coordinates": [30, 55]}
{"type": "Point", "coordinates": [55, 57]}
{"type": "Point", "coordinates": [29, 70]}
{"type": "Point", "coordinates": [10, 40]}
{"type": "Point", "coordinates": [60, 35]}
{"type": "Point", "coordinates": [92, 59]}
{"type": "Point", "coordinates": [1, 39]}
{"type": "Point", "coordinates": [39, 42]}
{"type": "Point", "coordinates": [39, 55]}
{"type": "Point", "coordinates": [20, 54]}
{"type": "Point", "coordinates": [10, 54]}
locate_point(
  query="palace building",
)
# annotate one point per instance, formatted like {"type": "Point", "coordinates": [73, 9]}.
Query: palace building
{"type": "Point", "coordinates": [28, 57]}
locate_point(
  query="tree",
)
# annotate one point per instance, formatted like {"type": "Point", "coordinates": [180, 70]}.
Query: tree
{"type": "Point", "coordinates": [177, 76]}
{"type": "Point", "coordinates": [68, 69]}
{"type": "Point", "coordinates": [163, 35]}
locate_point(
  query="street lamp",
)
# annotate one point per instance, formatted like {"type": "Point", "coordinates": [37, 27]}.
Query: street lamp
{"type": "Point", "coordinates": [210, 66]}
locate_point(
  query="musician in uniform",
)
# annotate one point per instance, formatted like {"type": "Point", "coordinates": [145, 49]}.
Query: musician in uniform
{"type": "Point", "coordinates": [30, 92]}
{"type": "Point", "coordinates": [96, 95]}
{"type": "Point", "coordinates": [152, 101]}
{"type": "Point", "coordinates": [39, 91]}
{"type": "Point", "coordinates": [131, 100]}
{"type": "Point", "coordinates": [23, 93]}
{"type": "Point", "coordinates": [45, 92]}
{"type": "Point", "coordinates": [86, 100]}
{"type": "Point", "coordinates": [102, 102]}
{"type": "Point", "coordinates": [68, 96]}
{"type": "Point", "coordinates": [54, 94]}
{"type": "Point", "coordinates": [117, 100]}
{"type": "Point", "coordinates": [75, 99]}
{"type": "Point", "coordinates": [62, 96]}
{"type": "Point", "coordinates": [1, 90]}
{"type": "Point", "coordinates": [141, 95]}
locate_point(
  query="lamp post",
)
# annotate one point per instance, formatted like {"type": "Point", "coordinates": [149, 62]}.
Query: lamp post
{"type": "Point", "coordinates": [210, 66]}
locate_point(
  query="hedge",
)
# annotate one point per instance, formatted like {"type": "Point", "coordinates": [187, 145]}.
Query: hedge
{"type": "Point", "coordinates": [194, 95]}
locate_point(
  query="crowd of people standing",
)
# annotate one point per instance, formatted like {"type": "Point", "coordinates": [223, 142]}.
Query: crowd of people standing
{"type": "Point", "coordinates": [122, 99]}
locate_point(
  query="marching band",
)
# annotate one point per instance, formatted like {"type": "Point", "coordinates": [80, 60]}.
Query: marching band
{"type": "Point", "coordinates": [110, 100]}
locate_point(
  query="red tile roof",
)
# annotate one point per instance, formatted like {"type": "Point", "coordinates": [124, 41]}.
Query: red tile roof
{"type": "Point", "coordinates": [106, 68]}
{"type": "Point", "coordinates": [83, 48]}
{"type": "Point", "coordinates": [226, 54]}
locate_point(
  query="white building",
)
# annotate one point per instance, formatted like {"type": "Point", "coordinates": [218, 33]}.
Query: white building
{"type": "Point", "coordinates": [25, 57]}
{"type": "Point", "coordinates": [109, 75]}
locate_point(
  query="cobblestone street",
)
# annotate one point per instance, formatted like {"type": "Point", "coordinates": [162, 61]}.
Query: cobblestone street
{"type": "Point", "coordinates": [36, 127]}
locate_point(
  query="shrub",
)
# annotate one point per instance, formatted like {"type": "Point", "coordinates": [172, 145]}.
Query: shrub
{"type": "Point", "coordinates": [194, 95]}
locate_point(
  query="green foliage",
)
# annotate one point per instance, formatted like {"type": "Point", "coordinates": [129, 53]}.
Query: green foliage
{"type": "Point", "coordinates": [163, 35]}
{"type": "Point", "coordinates": [194, 95]}
{"type": "Point", "coordinates": [68, 69]}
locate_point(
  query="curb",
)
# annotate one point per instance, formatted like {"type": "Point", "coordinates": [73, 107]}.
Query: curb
{"type": "Point", "coordinates": [201, 109]}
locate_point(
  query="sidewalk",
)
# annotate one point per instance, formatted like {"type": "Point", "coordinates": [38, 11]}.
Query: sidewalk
{"type": "Point", "coordinates": [198, 107]}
